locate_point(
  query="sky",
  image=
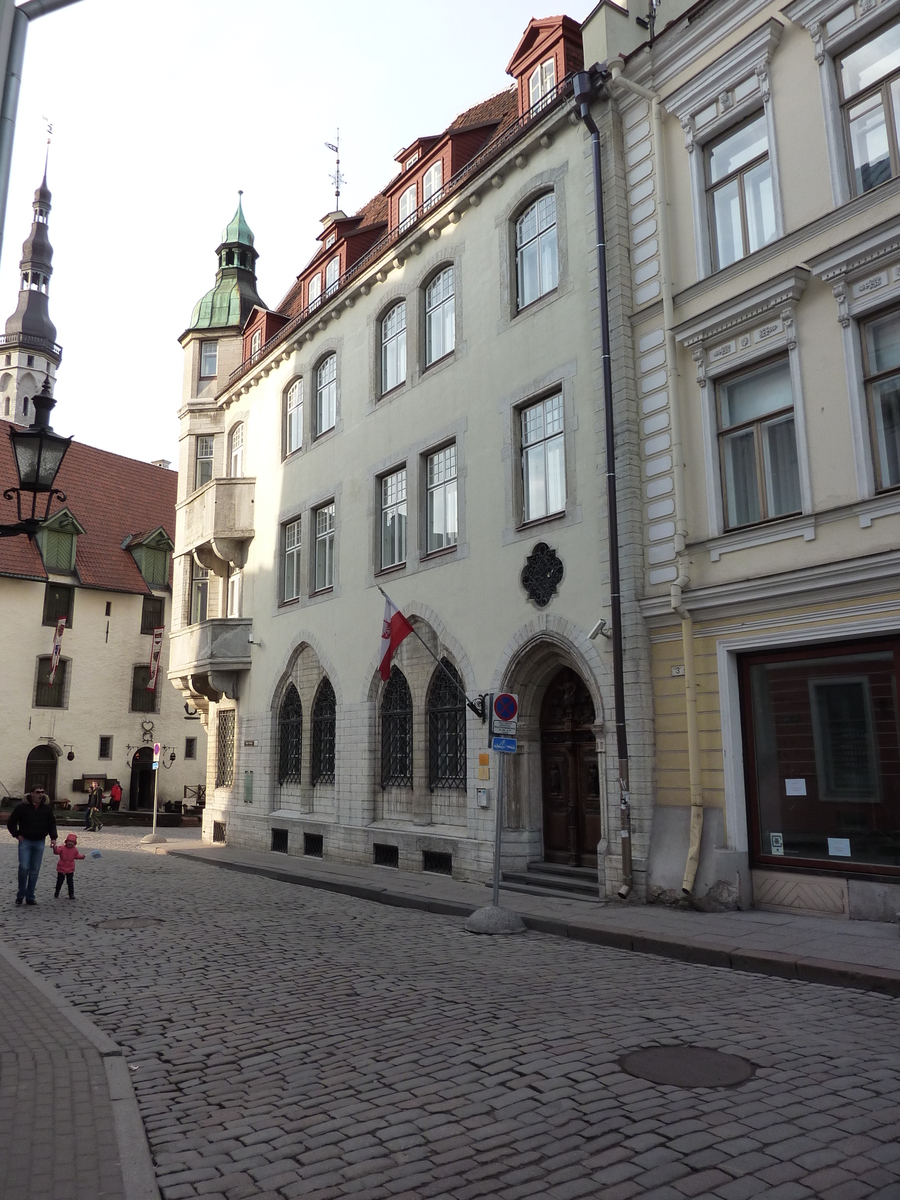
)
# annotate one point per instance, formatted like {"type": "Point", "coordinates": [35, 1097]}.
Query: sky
{"type": "Point", "coordinates": [161, 111]}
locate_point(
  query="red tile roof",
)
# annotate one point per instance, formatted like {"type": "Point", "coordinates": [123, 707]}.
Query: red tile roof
{"type": "Point", "coordinates": [501, 109]}
{"type": "Point", "coordinates": [112, 498]}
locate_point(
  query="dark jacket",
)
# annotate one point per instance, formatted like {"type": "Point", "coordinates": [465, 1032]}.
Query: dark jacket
{"type": "Point", "coordinates": [33, 824]}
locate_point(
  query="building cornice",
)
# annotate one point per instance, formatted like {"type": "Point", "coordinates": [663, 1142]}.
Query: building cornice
{"type": "Point", "coordinates": [858, 252]}
{"type": "Point", "coordinates": [737, 311]}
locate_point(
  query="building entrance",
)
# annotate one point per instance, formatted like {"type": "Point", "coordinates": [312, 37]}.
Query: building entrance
{"type": "Point", "coordinates": [40, 770]}
{"type": "Point", "coordinates": [570, 773]}
{"type": "Point", "coordinates": [142, 779]}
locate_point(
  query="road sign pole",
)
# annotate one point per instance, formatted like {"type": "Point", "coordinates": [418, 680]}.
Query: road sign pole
{"type": "Point", "coordinates": [498, 829]}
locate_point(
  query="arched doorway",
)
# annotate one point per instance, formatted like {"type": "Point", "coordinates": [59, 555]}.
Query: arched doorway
{"type": "Point", "coordinates": [141, 795]}
{"type": "Point", "coordinates": [570, 773]}
{"type": "Point", "coordinates": [40, 770]}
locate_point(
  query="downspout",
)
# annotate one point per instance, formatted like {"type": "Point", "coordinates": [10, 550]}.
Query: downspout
{"type": "Point", "coordinates": [583, 91]}
{"type": "Point", "coordinates": [618, 80]}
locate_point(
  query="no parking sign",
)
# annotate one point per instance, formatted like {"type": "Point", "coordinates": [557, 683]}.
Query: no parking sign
{"type": "Point", "coordinates": [504, 722]}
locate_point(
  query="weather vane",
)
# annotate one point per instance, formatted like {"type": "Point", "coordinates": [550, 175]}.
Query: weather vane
{"type": "Point", "coordinates": [337, 178]}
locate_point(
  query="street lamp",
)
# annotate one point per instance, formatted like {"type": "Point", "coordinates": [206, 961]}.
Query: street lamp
{"type": "Point", "coordinates": [39, 453]}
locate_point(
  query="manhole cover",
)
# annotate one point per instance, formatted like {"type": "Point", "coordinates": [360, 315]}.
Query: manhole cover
{"type": "Point", "coordinates": [128, 923]}
{"type": "Point", "coordinates": [687, 1066]}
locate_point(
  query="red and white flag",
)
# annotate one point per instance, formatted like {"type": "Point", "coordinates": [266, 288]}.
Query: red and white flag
{"type": "Point", "coordinates": [393, 631]}
{"type": "Point", "coordinates": [155, 651]}
{"type": "Point", "coordinates": [57, 647]}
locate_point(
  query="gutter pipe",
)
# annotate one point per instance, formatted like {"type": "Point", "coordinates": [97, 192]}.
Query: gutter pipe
{"type": "Point", "coordinates": [583, 91]}
{"type": "Point", "coordinates": [676, 597]}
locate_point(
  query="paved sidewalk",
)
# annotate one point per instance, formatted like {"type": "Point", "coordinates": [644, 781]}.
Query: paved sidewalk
{"type": "Point", "coordinates": [860, 954]}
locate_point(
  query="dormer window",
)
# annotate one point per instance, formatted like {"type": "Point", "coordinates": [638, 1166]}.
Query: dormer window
{"type": "Point", "coordinates": [330, 240]}
{"type": "Point", "coordinates": [152, 557]}
{"type": "Point", "coordinates": [407, 206]}
{"type": "Point", "coordinates": [411, 161]}
{"type": "Point", "coordinates": [541, 85]}
{"type": "Point", "coordinates": [332, 275]}
{"type": "Point", "coordinates": [56, 541]}
{"type": "Point", "coordinates": [255, 341]}
{"type": "Point", "coordinates": [431, 185]}
{"type": "Point", "coordinates": [315, 291]}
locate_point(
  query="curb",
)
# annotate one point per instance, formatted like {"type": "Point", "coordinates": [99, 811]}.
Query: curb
{"type": "Point", "coordinates": [707, 954]}
{"type": "Point", "coordinates": [138, 1175]}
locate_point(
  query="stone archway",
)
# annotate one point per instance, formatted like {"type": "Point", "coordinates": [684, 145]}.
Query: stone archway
{"type": "Point", "coordinates": [40, 770]}
{"type": "Point", "coordinates": [141, 792]}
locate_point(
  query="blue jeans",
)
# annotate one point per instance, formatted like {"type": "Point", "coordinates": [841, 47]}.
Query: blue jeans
{"type": "Point", "coordinates": [30, 855]}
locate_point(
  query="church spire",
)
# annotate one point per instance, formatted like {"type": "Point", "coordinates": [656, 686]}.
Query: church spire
{"type": "Point", "coordinates": [29, 353]}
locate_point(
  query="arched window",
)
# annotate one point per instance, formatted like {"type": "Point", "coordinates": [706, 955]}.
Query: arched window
{"type": "Point", "coordinates": [440, 317]}
{"type": "Point", "coordinates": [393, 347]}
{"type": "Point", "coordinates": [396, 732]}
{"type": "Point", "coordinates": [446, 707]}
{"type": "Point", "coordinates": [541, 85]}
{"type": "Point", "coordinates": [326, 395]}
{"type": "Point", "coordinates": [323, 733]}
{"type": "Point", "coordinates": [315, 291]}
{"type": "Point", "coordinates": [407, 206]}
{"type": "Point", "coordinates": [290, 736]}
{"type": "Point", "coordinates": [236, 452]}
{"type": "Point", "coordinates": [537, 265]}
{"type": "Point", "coordinates": [332, 275]}
{"type": "Point", "coordinates": [293, 418]}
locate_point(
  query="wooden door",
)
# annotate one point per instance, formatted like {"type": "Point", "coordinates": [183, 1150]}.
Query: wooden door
{"type": "Point", "coordinates": [571, 778]}
{"type": "Point", "coordinates": [40, 770]}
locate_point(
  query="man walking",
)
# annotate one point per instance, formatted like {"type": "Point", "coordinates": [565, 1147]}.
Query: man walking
{"type": "Point", "coordinates": [30, 823]}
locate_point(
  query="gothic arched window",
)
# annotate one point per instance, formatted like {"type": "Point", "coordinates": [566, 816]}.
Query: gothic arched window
{"type": "Point", "coordinates": [396, 732]}
{"type": "Point", "coordinates": [290, 736]}
{"type": "Point", "coordinates": [323, 733]}
{"type": "Point", "coordinates": [446, 707]}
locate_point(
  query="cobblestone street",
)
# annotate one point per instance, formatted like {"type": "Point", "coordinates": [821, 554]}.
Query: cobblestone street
{"type": "Point", "coordinates": [292, 1042]}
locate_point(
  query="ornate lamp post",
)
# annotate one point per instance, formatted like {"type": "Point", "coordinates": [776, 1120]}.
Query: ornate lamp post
{"type": "Point", "coordinates": [39, 453]}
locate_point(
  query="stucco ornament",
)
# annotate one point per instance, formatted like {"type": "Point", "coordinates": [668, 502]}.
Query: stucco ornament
{"type": "Point", "coordinates": [147, 731]}
{"type": "Point", "coordinates": [542, 574]}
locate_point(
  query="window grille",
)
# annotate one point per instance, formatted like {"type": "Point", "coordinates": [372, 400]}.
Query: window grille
{"type": "Point", "coordinates": [106, 744]}
{"type": "Point", "coordinates": [313, 845]}
{"type": "Point", "coordinates": [446, 730]}
{"type": "Point", "coordinates": [225, 750]}
{"type": "Point", "coordinates": [280, 841]}
{"type": "Point", "coordinates": [436, 863]}
{"type": "Point", "coordinates": [152, 613]}
{"type": "Point", "coordinates": [190, 747]}
{"type": "Point", "coordinates": [218, 833]}
{"type": "Point", "coordinates": [386, 856]}
{"type": "Point", "coordinates": [324, 721]}
{"type": "Point", "coordinates": [47, 696]}
{"type": "Point", "coordinates": [290, 737]}
{"type": "Point", "coordinates": [396, 732]}
{"type": "Point", "coordinates": [141, 699]}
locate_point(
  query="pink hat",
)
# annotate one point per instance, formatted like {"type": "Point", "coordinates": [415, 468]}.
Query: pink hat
{"type": "Point", "coordinates": [73, 838]}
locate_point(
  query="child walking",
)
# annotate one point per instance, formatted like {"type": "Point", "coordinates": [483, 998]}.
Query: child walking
{"type": "Point", "coordinates": [65, 868]}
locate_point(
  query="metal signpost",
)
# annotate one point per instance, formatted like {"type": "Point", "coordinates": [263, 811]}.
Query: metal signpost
{"type": "Point", "coordinates": [153, 836]}
{"type": "Point", "coordinates": [504, 711]}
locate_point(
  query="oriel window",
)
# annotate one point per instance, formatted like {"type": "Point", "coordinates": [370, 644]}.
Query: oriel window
{"type": "Point", "coordinates": [204, 469]}
{"type": "Point", "coordinates": [199, 594]}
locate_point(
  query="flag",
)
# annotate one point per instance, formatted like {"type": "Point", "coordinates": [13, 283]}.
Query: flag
{"type": "Point", "coordinates": [57, 647]}
{"type": "Point", "coordinates": [393, 631]}
{"type": "Point", "coordinates": [155, 651]}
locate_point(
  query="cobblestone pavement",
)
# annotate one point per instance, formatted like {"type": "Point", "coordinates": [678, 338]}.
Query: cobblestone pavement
{"type": "Point", "coordinates": [292, 1042]}
{"type": "Point", "coordinates": [57, 1135]}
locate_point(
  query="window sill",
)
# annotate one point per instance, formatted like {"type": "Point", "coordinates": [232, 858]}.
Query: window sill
{"type": "Point", "coordinates": [539, 301]}
{"type": "Point", "coordinates": [444, 552]}
{"type": "Point", "coordinates": [288, 455]}
{"type": "Point", "coordinates": [392, 392]}
{"type": "Point", "coordinates": [392, 570]}
{"type": "Point", "coordinates": [289, 603]}
{"type": "Point", "coordinates": [762, 534]}
{"type": "Point", "coordinates": [538, 521]}
{"type": "Point", "coordinates": [324, 434]}
{"type": "Point", "coordinates": [438, 361]}
{"type": "Point", "coordinates": [326, 591]}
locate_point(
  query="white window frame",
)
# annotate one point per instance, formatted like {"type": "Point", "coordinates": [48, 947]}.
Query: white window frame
{"type": "Point", "coordinates": [815, 16]}
{"type": "Point", "coordinates": [735, 336]}
{"type": "Point", "coordinates": [326, 396]}
{"type": "Point", "coordinates": [323, 560]}
{"type": "Point", "coordinates": [393, 341]}
{"type": "Point", "coordinates": [314, 291]}
{"type": "Point", "coordinates": [205, 441]}
{"type": "Point", "coordinates": [864, 273]}
{"type": "Point", "coordinates": [199, 598]}
{"type": "Point", "coordinates": [439, 492]}
{"type": "Point", "coordinates": [715, 101]}
{"type": "Point", "coordinates": [526, 448]}
{"type": "Point", "coordinates": [236, 451]}
{"type": "Point", "coordinates": [406, 207]}
{"type": "Point", "coordinates": [291, 545]}
{"type": "Point", "coordinates": [332, 275]}
{"type": "Point", "coordinates": [293, 418]}
{"type": "Point", "coordinates": [541, 84]}
{"type": "Point", "coordinates": [233, 593]}
{"type": "Point", "coordinates": [539, 237]}
{"type": "Point", "coordinates": [431, 307]}
{"type": "Point", "coordinates": [432, 185]}
{"type": "Point", "coordinates": [393, 502]}
{"type": "Point", "coordinates": [209, 355]}
{"type": "Point", "coordinates": [255, 342]}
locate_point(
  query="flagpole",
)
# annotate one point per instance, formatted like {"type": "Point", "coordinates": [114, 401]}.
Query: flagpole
{"type": "Point", "coordinates": [477, 707]}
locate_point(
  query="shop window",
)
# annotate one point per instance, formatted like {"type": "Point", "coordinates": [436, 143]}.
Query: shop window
{"type": "Point", "coordinates": [822, 736]}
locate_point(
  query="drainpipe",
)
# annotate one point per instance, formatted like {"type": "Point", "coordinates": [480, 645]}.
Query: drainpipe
{"type": "Point", "coordinates": [583, 91]}
{"type": "Point", "coordinates": [618, 80]}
